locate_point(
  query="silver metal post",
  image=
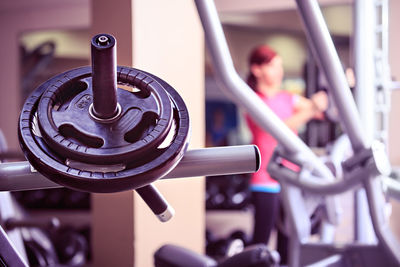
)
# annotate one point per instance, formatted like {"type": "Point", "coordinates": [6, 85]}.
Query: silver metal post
{"type": "Point", "coordinates": [326, 55]}
{"type": "Point", "coordinates": [365, 95]}
{"type": "Point", "coordinates": [364, 64]}
{"type": "Point", "coordinates": [241, 93]}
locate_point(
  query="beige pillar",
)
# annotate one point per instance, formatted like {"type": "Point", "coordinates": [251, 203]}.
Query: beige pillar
{"type": "Point", "coordinates": [163, 38]}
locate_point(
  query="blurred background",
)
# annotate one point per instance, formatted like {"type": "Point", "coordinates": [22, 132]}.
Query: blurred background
{"type": "Point", "coordinates": [43, 38]}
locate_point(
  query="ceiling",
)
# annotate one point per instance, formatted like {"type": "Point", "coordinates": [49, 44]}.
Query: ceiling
{"type": "Point", "coordinates": [338, 19]}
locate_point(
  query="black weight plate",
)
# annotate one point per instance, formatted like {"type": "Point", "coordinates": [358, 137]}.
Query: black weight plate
{"type": "Point", "coordinates": [139, 171]}
{"type": "Point", "coordinates": [68, 128]}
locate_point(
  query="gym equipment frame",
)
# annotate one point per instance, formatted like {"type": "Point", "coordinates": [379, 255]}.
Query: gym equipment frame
{"type": "Point", "coordinates": [365, 169]}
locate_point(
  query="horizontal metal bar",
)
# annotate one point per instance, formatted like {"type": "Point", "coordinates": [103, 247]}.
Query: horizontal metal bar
{"type": "Point", "coordinates": [311, 184]}
{"type": "Point", "coordinates": [19, 176]}
{"type": "Point", "coordinates": [217, 161]}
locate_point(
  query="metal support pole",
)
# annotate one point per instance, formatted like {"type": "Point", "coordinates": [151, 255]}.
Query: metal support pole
{"type": "Point", "coordinates": [365, 95]}
{"type": "Point", "coordinates": [328, 59]}
{"type": "Point", "coordinates": [9, 256]}
{"type": "Point", "coordinates": [364, 64]}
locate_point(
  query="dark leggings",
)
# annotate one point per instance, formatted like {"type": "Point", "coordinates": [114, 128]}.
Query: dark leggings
{"type": "Point", "coordinates": [266, 213]}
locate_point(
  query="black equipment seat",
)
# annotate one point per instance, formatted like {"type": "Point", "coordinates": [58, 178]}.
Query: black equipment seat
{"type": "Point", "coordinates": [175, 256]}
{"type": "Point", "coordinates": [253, 256]}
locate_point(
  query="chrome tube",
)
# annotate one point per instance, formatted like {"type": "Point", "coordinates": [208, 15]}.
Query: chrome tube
{"type": "Point", "coordinates": [18, 176]}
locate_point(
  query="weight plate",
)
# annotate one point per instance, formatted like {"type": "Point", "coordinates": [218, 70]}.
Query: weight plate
{"type": "Point", "coordinates": [66, 124]}
{"type": "Point", "coordinates": [116, 165]}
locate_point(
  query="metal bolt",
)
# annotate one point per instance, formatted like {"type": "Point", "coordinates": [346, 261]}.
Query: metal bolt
{"type": "Point", "coordinates": [103, 40]}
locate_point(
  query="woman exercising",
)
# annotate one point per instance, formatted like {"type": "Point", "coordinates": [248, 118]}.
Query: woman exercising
{"type": "Point", "coordinates": [265, 78]}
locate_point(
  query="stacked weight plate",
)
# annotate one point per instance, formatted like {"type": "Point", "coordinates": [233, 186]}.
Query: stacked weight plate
{"type": "Point", "coordinates": [104, 128]}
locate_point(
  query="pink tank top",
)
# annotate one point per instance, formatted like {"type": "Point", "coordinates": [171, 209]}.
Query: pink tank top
{"type": "Point", "coordinates": [282, 104]}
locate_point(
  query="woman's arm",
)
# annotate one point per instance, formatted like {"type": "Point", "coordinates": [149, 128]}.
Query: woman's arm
{"type": "Point", "coordinates": [307, 109]}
